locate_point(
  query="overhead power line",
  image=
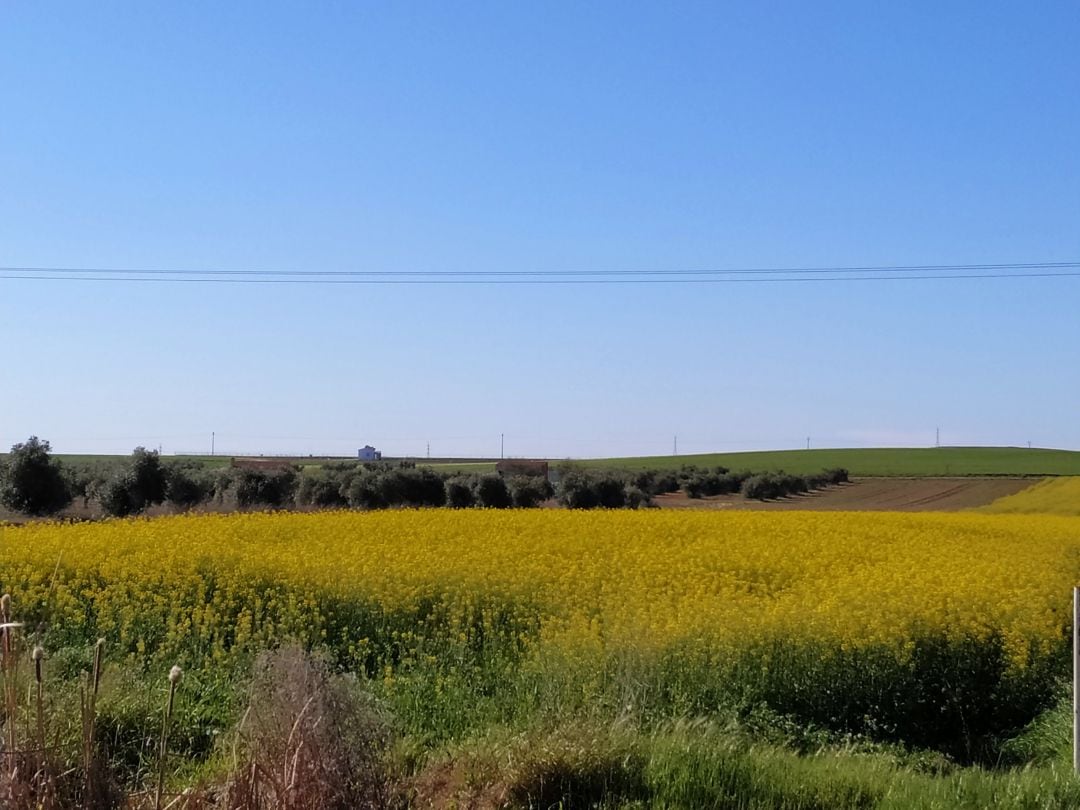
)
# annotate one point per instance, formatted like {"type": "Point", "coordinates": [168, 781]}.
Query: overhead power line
{"type": "Point", "coordinates": [541, 273]}
{"type": "Point", "coordinates": [663, 276]}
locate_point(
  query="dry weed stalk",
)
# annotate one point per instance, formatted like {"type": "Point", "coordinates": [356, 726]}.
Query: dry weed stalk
{"type": "Point", "coordinates": [8, 669]}
{"type": "Point", "coordinates": [37, 655]}
{"type": "Point", "coordinates": [307, 741]}
{"type": "Point", "coordinates": [88, 711]}
{"type": "Point", "coordinates": [175, 674]}
{"type": "Point", "coordinates": [26, 780]}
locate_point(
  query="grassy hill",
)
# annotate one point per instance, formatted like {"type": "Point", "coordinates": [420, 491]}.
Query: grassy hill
{"type": "Point", "coordinates": [111, 458]}
{"type": "Point", "coordinates": [915, 462]}
{"type": "Point", "coordinates": [919, 462]}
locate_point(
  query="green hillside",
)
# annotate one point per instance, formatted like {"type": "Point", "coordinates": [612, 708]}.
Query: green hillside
{"type": "Point", "coordinates": [919, 462]}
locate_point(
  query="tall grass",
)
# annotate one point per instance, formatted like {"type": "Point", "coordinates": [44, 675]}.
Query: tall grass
{"type": "Point", "coordinates": [692, 765]}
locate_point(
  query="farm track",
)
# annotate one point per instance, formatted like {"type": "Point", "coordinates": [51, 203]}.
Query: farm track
{"type": "Point", "coordinates": [874, 495]}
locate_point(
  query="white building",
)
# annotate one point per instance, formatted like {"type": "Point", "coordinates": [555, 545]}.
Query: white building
{"type": "Point", "coordinates": [368, 453]}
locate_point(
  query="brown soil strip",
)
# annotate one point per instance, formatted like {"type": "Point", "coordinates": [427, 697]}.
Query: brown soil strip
{"type": "Point", "coordinates": [874, 495]}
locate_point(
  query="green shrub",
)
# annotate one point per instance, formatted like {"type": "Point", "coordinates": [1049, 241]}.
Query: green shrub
{"type": "Point", "coordinates": [383, 486]}
{"type": "Point", "coordinates": [529, 491]}
{"type": "Point", "coordinates": [149, 478]}
{"type": "Point", "coordinates": [643, 479]}
{"type": "Point", "coordinates": [663, 482]}
{"type": "Point", "coordinates": [760, 487]}
{"type": "Point", "coordinates": [712, 482]}
{"type": "Point", "coordinates": [836, 475]}
{"type": "Point", "coordinates": [792, 484]}
{"type": "Point", "coordinates": [264, 488]}
{"type": "Point", "coordinates": [611, 491]}
{"type": "Point", "coordinates": [766, 486]}
{"type": "Point", "coordinates": [460, 493]}
{"type": "Point", "coordinates": [583, 490]}
{"type": "Point", "coordinates": [577, 491]}
{"type": "Point", "coordinates": [492, 493]}
{"type": "Point", "coordinates": [637, 498]}
{"type": "Point", "coordinates": [410, 486]}
{"type": "Point", "coordinates": [142, 481]}
{"type": "Point", "coordinates": [364, 491]}
{"type": "Point", "coordinates": [86, 478]}
{"type": "Point", "coordinates": [114, 495]}
{"type": "Point", "coordinates": [694, 487]}
{"type": "Point", "coordinates": [31, 481]}
{"type": "Point", "coordinates": [322, 488]}
{"type": "Point", "coordinates": [188, 485]}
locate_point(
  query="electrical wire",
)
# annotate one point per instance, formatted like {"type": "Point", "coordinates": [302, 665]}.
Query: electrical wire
{"type": "Point", "coordinates": [687, 276]}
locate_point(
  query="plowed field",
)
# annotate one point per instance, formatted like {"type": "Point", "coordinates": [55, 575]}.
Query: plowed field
{"type": "Point", "coordinates": [875, 494]}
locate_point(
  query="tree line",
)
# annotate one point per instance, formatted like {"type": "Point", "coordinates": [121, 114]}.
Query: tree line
{"type": "Point", "coordinates": [35, 483]}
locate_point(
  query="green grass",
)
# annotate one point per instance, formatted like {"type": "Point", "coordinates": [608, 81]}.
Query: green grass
{"type": "Point", "coordinates": [918, 462]}
{"type": "Point", "coordinates": [79, 459]}
{"type": "Point", "coordinates": [689, 764]}
{"type": "Point", "coordinates": [457, 467]}
{"type": "Point", "coordinates": [313, 462]}
{"type": "Point", "coordinates": [870, 462]}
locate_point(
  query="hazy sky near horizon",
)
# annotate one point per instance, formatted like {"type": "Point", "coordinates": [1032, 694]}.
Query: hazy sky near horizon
{"type": "Point", "coordinates": [538, 136]}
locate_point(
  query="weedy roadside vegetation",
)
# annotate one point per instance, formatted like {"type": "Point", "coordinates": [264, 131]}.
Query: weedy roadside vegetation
{"type": "Point", "coordinates": [307, 738]}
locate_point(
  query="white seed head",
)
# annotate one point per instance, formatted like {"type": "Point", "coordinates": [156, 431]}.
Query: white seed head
{"type": "Point", "coordinates": [175, 674]}
{"type": "Point", "coordinates": [38, 653]}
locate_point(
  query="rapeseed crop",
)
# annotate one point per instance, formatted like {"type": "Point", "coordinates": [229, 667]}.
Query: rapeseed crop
{"type": "Point", "coordinates": [942, 630]}
{"type": "Point", "coordinates": [1051, 496]}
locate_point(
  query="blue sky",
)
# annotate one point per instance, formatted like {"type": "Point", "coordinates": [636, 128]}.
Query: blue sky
{"type": "Point", "coordinates": [553, 136]}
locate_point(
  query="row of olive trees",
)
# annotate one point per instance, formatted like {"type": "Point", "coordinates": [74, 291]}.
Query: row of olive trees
{"type": "Point", "coordinates": [767, 486]}
{"type": "Point", "coordinates": [583, 489]}
{"type": "Point", "coordinates": [381, 486]}
{"type": "Point", "coordinates": [32, 482]}
{"type": "Point", "coordinates": [701, 482]}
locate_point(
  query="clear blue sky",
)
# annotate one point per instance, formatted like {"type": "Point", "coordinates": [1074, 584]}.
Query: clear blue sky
{"type": "Point", "coordinates": [495, 136]}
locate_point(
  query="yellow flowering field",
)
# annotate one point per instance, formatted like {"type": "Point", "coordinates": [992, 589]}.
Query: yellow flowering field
{"type": "Point", "coordinates": [642, 579]}
{"type": "Point", "coordinates": [942, 630]}
{"type": "Point", "coordinates": [1051, 496]}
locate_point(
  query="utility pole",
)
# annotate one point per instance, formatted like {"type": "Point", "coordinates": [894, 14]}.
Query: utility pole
{"type": "Point", "coordinates": [675, 448]}
{"type": "Point", "coordinates": [212, 436]}
{"type": "Point", "coordinates": [429, 449]}
{"type": "Point", "coordinates": [1076, 680]}
{"type": "Point", "coordinates": [1029, 444]}
{"type": "Point", "coordinates": [937, 437]}
{"type": "Point", "coordinates": [502, 445]}
{"type": "Point", "coordinates": [807, 442]}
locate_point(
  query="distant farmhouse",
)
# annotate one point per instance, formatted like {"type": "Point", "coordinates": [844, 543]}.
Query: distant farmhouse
{"type": "Point", "coordinates": [369, 453]}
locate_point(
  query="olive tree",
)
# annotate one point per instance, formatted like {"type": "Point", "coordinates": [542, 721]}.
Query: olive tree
{"type": "Point", "coordinates": [31, 481]}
